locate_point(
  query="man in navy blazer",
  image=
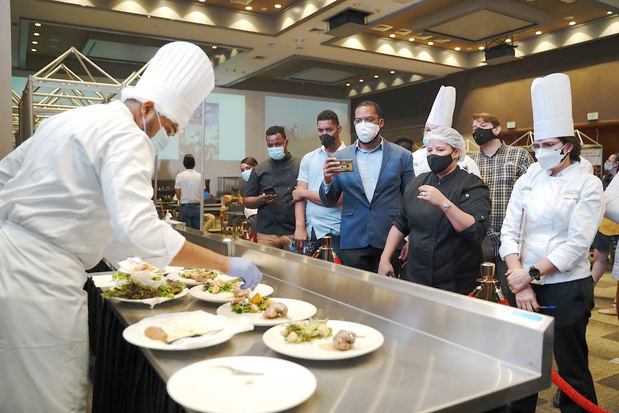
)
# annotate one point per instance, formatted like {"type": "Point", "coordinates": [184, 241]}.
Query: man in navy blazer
{"type": "Point", "coordinates": [372, 193]}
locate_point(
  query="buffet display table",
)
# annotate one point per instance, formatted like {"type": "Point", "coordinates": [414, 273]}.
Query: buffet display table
{"type": "Point", "coordinates": [442, 352]}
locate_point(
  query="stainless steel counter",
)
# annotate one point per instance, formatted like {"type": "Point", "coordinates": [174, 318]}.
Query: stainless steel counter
{"type": "Point", "coordinates": [442, 351]}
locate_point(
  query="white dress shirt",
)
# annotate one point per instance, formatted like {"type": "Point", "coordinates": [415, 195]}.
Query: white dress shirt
{"type": "Point", "coordinates": [554, 217]}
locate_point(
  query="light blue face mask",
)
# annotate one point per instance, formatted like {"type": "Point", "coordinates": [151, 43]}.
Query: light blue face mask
{"type": "Point", "coordinates": [160, 140]}
{"type": "Point", "coordinates": [277, 153]}
{"type": "Point", "coordinates": [246, 174]}
{"type": "Point", "coordinates": [425, 140]}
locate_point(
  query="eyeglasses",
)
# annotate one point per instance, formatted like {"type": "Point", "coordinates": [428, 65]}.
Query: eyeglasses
{"type": "Point", "coordinates": [544, 145]}
{"type": "Point", "coordinates": [369, 119]}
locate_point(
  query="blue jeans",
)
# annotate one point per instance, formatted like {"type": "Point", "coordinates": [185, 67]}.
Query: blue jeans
{"type": "Point", "coordinates": [190, 215]}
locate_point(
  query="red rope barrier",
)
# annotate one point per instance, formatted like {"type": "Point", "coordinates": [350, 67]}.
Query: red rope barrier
{"type": "Point", "coordinates": [578, 398]}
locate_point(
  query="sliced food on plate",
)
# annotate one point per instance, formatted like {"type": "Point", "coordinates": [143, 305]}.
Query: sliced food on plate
{"type": "Point", "coordinates": [266, 311]}
{"type": "Point", "coordinates": [220, 291]}
{"type": "Point", "coordinates": [200, 275]}
{"type": "Point", "coordinates": [144, 287]}
{"type": "Point", "coordinates": [184, 330]}
{"type": "Point", "coordinates": [323, 339]}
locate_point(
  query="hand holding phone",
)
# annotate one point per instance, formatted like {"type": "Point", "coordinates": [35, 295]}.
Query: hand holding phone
{"type": "Point", "coordinates": [346, 165]}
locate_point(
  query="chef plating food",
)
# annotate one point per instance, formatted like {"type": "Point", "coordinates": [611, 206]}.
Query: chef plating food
{"type": "Point", "coordinates": [80, 183]}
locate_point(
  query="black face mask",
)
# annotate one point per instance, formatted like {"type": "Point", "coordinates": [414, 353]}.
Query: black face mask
{"type": "Point", "coordinates": [439, 163]}
{"type": "Point", "coordinates": [483, 136]}
{"type": "Point", "coordinates": [327, 140]}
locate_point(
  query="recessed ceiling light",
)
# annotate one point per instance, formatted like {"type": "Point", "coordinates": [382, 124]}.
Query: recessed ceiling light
{"type": "Point", "coordinates": [538, 32]}
{"type": "Point", "coordinates": [430, 43]}
{"type": "Point", "coordinates": [348, 84]}
{"type": "Point", "coordinates": [35, 42]}
{"type": "Point", "coordinates": [411, 39]}
{"type": "Point", "coordinates": [392, 35]}
{"type": "Point", "coordinates": [33, 50]}
{"type": "Point", "coordinates": [508, 40]}
{"type": "Point", "coordinates": [213, 47]}
{"type": "Point", "coordinates": [457, 49]}
{"type": "Point", "coordinates": [38, 24]}
{"type": "Point", "coordinates": [278, 6]}
{"type": "Point", "coordinates": [572, 23]}
{"type": "Point", "coordinates": [248, 8]}
{"type": "Point", "coordinates": [201, 1]}
{"type": "Point", "coordinates": [609, 12]}
{"type": "Point", "coordinates": [481, 47]}
{"type": "Point", "coordinates": [392, 71]}
{"type": "Point", "coordinates": [375, 76]}
{"type": "Point", "coordinates": [360, 80]}
{"type": "Point", "coordinates": [35, 33]}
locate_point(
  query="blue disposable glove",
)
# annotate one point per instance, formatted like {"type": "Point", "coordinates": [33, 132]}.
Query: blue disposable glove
{"type": "Point", "coordinates": [245, 269]}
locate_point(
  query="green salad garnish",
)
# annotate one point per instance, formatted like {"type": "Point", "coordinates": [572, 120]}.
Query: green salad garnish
{"type": "Point", "coordinates": [252, 305]}
{"type": "Point", "coordinates": [306, 331]}
{"type": "Point", "coordinates": [134, 291]}
{"type": "Point", "coordinates": [223, 286]}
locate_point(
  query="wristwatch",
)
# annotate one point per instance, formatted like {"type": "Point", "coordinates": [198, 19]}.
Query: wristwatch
{"type": "Point", "coordinates": [446, 206]}
{"type": "Point", "coordinates": [534, 273]}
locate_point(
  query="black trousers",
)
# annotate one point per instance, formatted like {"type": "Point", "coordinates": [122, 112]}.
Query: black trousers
{"type": "Point", "coordinates": [366, 258]}
{"type": "Point", "coordinates": [574, 301]}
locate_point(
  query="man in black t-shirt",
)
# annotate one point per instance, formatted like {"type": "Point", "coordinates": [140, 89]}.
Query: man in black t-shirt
{"type": "Point", "coordinates": [270, 189]}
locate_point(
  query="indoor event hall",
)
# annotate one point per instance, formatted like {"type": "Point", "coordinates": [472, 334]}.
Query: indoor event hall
{"type": "Point", "coordinates": [313, 206]}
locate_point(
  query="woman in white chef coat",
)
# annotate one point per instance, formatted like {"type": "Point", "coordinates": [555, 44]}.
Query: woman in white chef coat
{"type": "Point", "coordinates": [80, 182]}
{"type": "Point", "coordinates": [552, 217]}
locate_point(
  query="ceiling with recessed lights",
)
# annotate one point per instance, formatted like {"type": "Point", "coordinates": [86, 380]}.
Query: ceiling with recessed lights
{"type": "Point", "coordinates": [331, 48]}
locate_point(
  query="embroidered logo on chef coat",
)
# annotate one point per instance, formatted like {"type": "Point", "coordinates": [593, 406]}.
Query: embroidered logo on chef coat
{"type": "Point", "coordinates": [527, 188]}
{"type": "Point", "coordinates": [570, 194]}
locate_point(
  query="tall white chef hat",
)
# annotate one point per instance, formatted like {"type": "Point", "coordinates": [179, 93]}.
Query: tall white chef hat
{"type": "Point", "coordinates": [443, 108]}
{"type": "Point", "coordinates": [177, 79]}
{"type": "Point", "coordinates": [450, 136]}
{"type": "Point", "coordinates": [551, 99]}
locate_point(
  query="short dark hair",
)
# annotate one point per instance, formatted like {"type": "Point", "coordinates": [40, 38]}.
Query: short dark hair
{"type": "Point", "coordinates": [405, 142]}
{"type": "Point", "coordinates": [275, 130]}
{"type": "Point", "coordinates": [574, 153]}
{"type": "Point", "coordinates": [487, 117]}
{"type": "Point", "coordinates": [377, 108]}
{"type": "Point", "coordinates": [328, 115]}
{"type": "Point", "coordinates": [189, 161]}
{"type": "Point", "coordinates": [250, 161]}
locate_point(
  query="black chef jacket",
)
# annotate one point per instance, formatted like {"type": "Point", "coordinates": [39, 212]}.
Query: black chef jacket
{"type": "Point", "coordinates": [439, 256]}
{"type": "Point", "coordinates": [276, 219]}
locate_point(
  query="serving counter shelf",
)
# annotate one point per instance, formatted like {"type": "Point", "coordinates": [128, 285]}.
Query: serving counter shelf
{"type": "Point", "coordinates": [442, 352]}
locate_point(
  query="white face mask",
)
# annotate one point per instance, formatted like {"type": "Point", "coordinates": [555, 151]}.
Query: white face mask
{"type": "Point", "coordinates": [246, 174]}
{"type": "Point", "coordinates": [550, 158]}
{"type": "Point", "coordinates": [160, 140]}
{"type": "Point", "coordinates": [366, 131]}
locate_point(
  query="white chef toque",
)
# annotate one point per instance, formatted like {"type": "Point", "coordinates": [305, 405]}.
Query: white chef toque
{"type": "Point", "coordinates": [551, 99]}
{"type": "Point", "coordinates": [443, 108]}
{"type": "Point", "coordinates": [177, 79]}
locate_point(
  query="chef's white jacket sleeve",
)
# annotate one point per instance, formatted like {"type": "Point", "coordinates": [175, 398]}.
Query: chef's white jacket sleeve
{"type": "Point", "coordinates": [611, 197]}
{"type": "Point", "coordinates": [510, 231]}
{"type": "Point", "coordinates": [584, 223]}
{"type": "Point", "coordinates": [10, 164]}
{"type": "Point", "coordinates": [127, 164]}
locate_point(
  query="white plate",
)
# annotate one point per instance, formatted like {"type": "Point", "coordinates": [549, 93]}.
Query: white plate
{"type": "Point", "coordinates": [297, 310]}
{"type": "Point", "coordinates": [322, 349]}
{"type": "Point", "coordinates": [151, 301]}
{"type": "Point", "coordinates": [190, 282]}
{"type": "Point", "coordinates": [205, 387]}
{"type": "Point", "coordinates": [197, 292]}
{"type": "Point", "coordinates": [134, 334]}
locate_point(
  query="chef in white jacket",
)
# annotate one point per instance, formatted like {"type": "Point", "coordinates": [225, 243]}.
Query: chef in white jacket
{"type": "Point", "coordinates": [83, 179]}
{"type": "Point", "coordinates": [551, 220]}
{"type": "Point", "coordinates": [441, 115]}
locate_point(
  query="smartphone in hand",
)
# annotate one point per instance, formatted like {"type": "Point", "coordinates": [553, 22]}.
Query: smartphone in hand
{"type": "Point", "coordinates": [346, 165]}
{"type": "Point", "coordinates": [269, 190]}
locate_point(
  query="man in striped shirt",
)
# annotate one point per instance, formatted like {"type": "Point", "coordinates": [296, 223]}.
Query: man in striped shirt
{"type": "Point", "coordinates": [500, 166]}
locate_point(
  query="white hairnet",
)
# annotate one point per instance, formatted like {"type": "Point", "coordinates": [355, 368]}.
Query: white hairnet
{"type": "Point", "coordinates": [450, 136]}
